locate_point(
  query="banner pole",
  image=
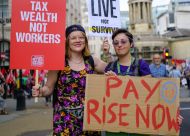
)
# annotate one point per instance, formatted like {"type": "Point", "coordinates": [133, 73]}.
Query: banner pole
{"type": "Point", "coordinates": [36, 83]}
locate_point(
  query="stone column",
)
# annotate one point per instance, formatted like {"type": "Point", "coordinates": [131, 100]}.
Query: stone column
{"type": "Point", "coordinates": [148, 12]}
{"type": "Point", "coordinates": [144, 13]}
{"type": "Point", "coordinates": [139, 13]}
{"type": "Point", "coordinates": [130, 14]}
{"type": "Point", "coordinates": [134, 13]}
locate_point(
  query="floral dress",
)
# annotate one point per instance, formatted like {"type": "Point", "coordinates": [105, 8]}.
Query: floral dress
{"type": "Point", "coordinates": [69, 102]}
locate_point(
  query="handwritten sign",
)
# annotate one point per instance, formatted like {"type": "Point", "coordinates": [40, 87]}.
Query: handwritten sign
{"type": "Point", "coordinates": [103, 17]}
{"type": "Point", "coordinates": [132, 104]}
{"type": "Point", "coordinates": [38, 34]}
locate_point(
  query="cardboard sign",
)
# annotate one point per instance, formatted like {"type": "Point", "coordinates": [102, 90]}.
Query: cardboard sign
{"type": "Point", "coordinates": [38, 34]}
{"type": "Point", "coordinates": [132, 104]}
{"type": "Point", "coordinates": [103, 17]}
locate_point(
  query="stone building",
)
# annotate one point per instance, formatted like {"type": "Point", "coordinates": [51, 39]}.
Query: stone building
{"type": "Point", "coordinates": [174, 25]}
{"type": "Point", "coordinates": [5, 28]}
{"type": "Point", "coordinates": [73, 12]}
{"type": "Point", "coordinates": [141, 26]}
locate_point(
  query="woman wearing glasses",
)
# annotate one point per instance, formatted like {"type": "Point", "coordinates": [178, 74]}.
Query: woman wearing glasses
{"type": "Point", "coordinates": [68, 85]}
{"type": "Point", "coordinates": [127, 65]}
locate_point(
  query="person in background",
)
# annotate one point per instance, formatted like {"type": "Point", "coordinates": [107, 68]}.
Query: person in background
{"type": "Point", "coordinates": [106, 56]}
{"type": "Point", "coordinates": [187, 75]}
{"type": "Point", "coordinates": [2, 101]}
{"type": "Point", "coordinates": [157, 68]}
{"type": "Point", "coordinates": [68, 85]}
{"type": "Point", "coordinates": [175, 73]}
{"type": "Point", "coordinates": [48, 99]}
{"type": "Point", "coordinates": [29, 84]}
{"type": "Point", "coordinates": [11, 82]}
{"type": "Point", "coordinates": [126, 65]}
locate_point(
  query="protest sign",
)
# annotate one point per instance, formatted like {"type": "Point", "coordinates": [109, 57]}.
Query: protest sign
{"type": "Point", "coordinates": [132, 104]}
{"type": "Point", "coordinates": [38, 34]}
{"type": "Point", "coordinates": [103, 17]}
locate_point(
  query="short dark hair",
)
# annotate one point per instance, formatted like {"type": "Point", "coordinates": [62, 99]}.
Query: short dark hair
{"type": "Point", "coordinates": [127, 33]}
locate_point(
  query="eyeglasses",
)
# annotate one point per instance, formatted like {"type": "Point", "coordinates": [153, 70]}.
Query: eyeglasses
{"type": "Point", "coordinates": [80, 38]}
{"type": "Point", "coordinates": [122, 42]}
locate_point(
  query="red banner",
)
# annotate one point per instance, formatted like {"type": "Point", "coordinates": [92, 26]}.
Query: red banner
{"type": "Point", "coordinates": [38, 34]}
{"type": "Point", "coordinates": [178, 61]}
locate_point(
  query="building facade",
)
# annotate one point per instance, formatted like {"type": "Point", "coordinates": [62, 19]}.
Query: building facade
{"type": "Point", "coordinates": [175, 17]}
{"type": "Point", "coordinates": [73, 12]}
{"type": "Point", "coordinates": [140, 16]}
{"type": "Point", "coordinates": [173, 24]}
{"type": "Point", "coordinates": [124, 15]}
{"type": "Point", "coordinates": [141, 26]}
{"type": "Point", "coordinates": [5, 28]}
{"type": "Point", "coordinates": [157, 11]}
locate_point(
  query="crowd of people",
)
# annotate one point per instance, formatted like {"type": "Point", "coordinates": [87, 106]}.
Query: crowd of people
{"type": "Point", "coordinates": [7, 87]}
{"type": "Point", "coordinates": [10, 85]}
{"type": "Point", "coordinates": [182, 71]}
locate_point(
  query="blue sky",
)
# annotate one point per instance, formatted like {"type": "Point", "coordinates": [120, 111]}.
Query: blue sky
{"type": "Point", "coordinates": [124, 3]}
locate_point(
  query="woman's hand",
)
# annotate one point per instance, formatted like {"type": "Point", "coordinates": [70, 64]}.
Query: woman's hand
{"type": "Point", "coordinates": [106, 45]}
{"type": "Point", "coordinates": [36, 91]}
{"type": "Point", "coordinates": [110, 73]}
{"type": "Point", "coordinates": [179, 120]}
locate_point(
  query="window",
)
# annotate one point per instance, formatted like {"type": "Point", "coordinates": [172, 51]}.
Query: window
{"type": "Point", "coordinates": [3, 8]}
{"type": "Point", "coordinates": [171, 18]}
{"type": "Point", "coordinates": [4, 52]}
{"type": "Point", "coordinates": [156, 48]}
{"type": "Point", "coordinates": [146, 52]}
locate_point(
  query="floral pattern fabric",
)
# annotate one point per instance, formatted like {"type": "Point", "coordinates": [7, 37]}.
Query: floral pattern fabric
{"type": "Point", "coordinates": [68, 108]}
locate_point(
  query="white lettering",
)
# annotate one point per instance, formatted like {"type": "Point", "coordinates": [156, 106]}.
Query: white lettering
{"type": "Point", "coordinates": [38, 38]}
{"type": "Point", "coordinates": [38, 16]}
{"type": "Point", "coordinates": [38, 27]}
{"type": "Point", "coordinates": [32, 2]}
{"type": "Point", "coordinates": [44, 6]}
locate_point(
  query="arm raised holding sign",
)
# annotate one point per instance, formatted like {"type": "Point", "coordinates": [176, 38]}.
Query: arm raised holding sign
{"type": "Point", "coordinates": [106, 56]}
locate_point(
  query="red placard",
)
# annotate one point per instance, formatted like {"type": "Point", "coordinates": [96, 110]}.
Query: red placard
{"type": "Point", "coordinates": [38, 34]}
